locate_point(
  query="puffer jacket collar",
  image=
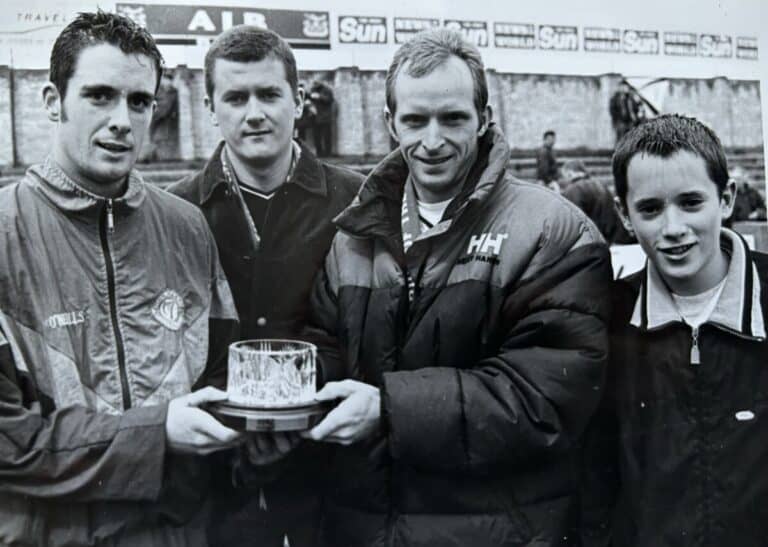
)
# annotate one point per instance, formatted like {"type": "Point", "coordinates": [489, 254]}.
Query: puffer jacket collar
{"type": "Point", "coordinates": [738, 309]}
{"type": "Point", "coordinates": [69, 196]}
{"type": "Point", "coordinates": [375, 211]}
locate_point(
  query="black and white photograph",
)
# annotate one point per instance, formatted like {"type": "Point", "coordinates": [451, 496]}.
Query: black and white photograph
{"type": "Point", "coordinates": [290, 273]}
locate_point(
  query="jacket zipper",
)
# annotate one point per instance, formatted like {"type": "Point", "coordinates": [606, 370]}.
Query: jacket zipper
{"type": "Point", "coordinates": [695, 354]}
{"type": "Point", "coordinates": [107, 229]}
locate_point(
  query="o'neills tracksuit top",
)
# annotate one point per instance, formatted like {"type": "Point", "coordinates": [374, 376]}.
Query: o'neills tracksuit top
{"type": "Point", "coordinates": [105, 312]}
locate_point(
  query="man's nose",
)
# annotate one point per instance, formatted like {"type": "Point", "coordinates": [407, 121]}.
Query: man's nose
{"type": "Point", "coordinates": [120, 119]}
{"type": "Point", "coordinates": [255, 112]}
{"type": "Point", "coordinates": [433, 136]}
{"type": "Point", "coordinates": [674, 225]}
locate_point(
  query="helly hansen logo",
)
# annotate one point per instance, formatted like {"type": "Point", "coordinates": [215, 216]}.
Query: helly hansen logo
{"type": "Point", "coordinates": [486, 243]}
{"type": "Point", "coordinates": [485, 247]}
{"type": "Point", "coordinates": [67, 319]}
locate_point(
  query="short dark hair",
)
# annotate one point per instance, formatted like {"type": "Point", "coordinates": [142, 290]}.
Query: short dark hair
{"type": "Point", "coordinates": [90, 29]}
{"type": "Point", "coordinates": [428, 50]}
{"type": "Point", "coordinates": [664, 136]}
{"type": "Point", "coordinates": [547, 133]}
{"type": "Point", "coordinates": [245, 44]}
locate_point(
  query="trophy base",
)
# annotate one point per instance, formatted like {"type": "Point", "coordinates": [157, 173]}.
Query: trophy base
{"type": "Point", "coordinates": [248, 418]}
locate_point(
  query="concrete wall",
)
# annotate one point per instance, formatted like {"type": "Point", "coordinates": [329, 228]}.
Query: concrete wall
{"type": "Point", "coordinates": [525, 105]}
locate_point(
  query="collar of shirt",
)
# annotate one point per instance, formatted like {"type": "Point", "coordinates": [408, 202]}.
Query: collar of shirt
{"type": "Point", "coordinates": [738, 308]}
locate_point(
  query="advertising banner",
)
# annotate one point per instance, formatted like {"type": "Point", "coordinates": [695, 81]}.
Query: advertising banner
{"type": "Point", "coordinates": [641, 42]}
{"type": "Point", "coordinates": [680, 43]}
{"type": "Point", "coordinates": [475, 32]}
{"type": "Point", "coordinates": [354, 29]}
{"type": "Point", "coordinates": [558, 38]}
{"type": "Point", "coordinates": [406, 27]}
{"type": "Point", "coordinates": [746, 47]}
{"type": "Point", "coordinates": [174, 24]}
{"type": "Point", "coordinates": [602, 39]}
{"type": "Point", "coordinates": [715, 45]}
{"type": "Point", "coordinates": [514, 35]}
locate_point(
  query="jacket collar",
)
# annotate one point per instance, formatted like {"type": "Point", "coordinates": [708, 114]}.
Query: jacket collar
{"type": "Point", "coordinates": [67, 195]}
{"type": "Point", "coordinates": [375, 211]}
{"type": "Point", "coordinates": [308, 174]}
{"type": "Point", "coordinates": [738, 309]}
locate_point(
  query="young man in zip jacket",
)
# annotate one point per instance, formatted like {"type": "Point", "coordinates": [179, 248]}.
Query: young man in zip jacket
{"type": "Point", "coordinates": [674, 456]}
{"type": "Point", "coordinates": [111, 303]}
{"type": "Point", "coordinates": [270, 205]}
{"type": "Point", "coordinates": [461, 316]}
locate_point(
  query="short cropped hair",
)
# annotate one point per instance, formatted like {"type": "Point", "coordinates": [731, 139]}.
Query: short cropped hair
{"type": "Point", "coordinates": [548, 133]}
{"type": "Point", "coordinates": [430, 49]}
{"type": "Point", "coordinates": [91, 29]}
{"type": "Point", "coordinates": [664, 136]}
{"type": "Point", "coordinates": [246, 44]}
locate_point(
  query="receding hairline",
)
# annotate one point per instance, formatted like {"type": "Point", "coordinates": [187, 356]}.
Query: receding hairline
{"type": "Point", "coordinates": [405, 69]}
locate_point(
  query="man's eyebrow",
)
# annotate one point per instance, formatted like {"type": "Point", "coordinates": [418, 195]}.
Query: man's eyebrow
{"type": "Point", "coordinates": [143, 95]}
{"type": "Point", "coordinates": [94, 89]}
{"type": "Point", "coordinates": [646, 201]}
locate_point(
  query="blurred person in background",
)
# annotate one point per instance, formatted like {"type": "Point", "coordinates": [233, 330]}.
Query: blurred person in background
{"type": "Point", "coordinates": [594, 198]}
{"type": "Point", "coordinates": [546, 160]}
{"type": "Point", "coordinates": [750, 201]}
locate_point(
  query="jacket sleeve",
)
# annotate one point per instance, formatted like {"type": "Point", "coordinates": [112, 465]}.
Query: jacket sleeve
{"type": "Point", "coordinates": [223, 326]}
{"type": "Point", "coordinates": [599, 470]}
{"type": "Point", "coordinates": [75, 454]}
{"type": "Point", "coordinates": [531, 399]}
{"type": "Point", "coordinates": [321, 328]}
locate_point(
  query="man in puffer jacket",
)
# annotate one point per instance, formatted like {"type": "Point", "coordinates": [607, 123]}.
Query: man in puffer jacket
{"type": "Point", "coordinates": [111, 303]}
{"type": "Point", "coordinates": [461, 317]}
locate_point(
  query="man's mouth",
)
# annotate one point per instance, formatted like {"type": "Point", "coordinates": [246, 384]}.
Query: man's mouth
{"type": "Point", "coordinates": [115, 147]}
{"type": "Point", "coordinates": [259, 133]}
{"type": "Point", "coordinates": [433, 161]}
{"type": "Point", "coordinates": [677, 250]}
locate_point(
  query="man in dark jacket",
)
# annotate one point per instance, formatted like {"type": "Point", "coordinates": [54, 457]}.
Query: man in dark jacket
{"type": "Point", "coordinates": [112, 302]}
{"type": "Point", "coordinates": [463, 312]}
{"type": "Point", "coordinates": [674, 454]}
{"type": "Point", "coordinates": [546, 161]}
{"type": "Point", "coordinates": [625, 110]}
{"type": "Point", "coordinates": [269, 203]}
{"type": "Point", "coordinates": [594, 198]}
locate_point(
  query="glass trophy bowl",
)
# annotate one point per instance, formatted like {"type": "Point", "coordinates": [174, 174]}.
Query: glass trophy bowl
{"type": "Point", "coordinates": [271, 386]}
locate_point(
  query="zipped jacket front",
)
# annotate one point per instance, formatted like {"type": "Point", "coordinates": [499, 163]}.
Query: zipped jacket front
{"type": "Point", "coordinates": [105, 313]}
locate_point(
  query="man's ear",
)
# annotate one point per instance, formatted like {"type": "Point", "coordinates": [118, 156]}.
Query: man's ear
{"type": "Point", "coordinates": [486, 117]}
{"type": "Point", "coordinates": [299, 99]}
{"type": "Point", "coordinates": [389, 119]}
{"type": "Point", "coordinates": [621, 210]}
{"type": "Point", "coordinates": [728, 199]}
{"type": "Point", "coordinates": [52, 102]}
{"type": "Point", "coordinates": [208, 102]}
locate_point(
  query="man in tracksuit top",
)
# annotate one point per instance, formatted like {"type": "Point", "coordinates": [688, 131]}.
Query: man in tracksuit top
{"type": "Point", "coordinates": [676, 453]}
{"type": "Point", "coordinates": [109, 289]}
{"type": "Point", "coordinates": [467, 311]}
{"type": "Point", "coordinates": [270, 205]}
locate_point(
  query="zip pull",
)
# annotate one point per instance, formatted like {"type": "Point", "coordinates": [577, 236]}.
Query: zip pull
{"type": "Point", "coordinates": [695, 355]}
{"type": "Point", "coordinates": [110, 218]}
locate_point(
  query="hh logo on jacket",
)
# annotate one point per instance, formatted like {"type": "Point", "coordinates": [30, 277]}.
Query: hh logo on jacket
{"type": "Point", "coordinates": [485, 247]}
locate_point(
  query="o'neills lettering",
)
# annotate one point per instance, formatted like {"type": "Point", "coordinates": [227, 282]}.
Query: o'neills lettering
{"type": "Point", "coordinates": [67, 319]}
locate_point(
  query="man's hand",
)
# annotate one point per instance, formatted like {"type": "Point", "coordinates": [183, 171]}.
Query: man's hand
{"type": "Point", "coordinates": [189, 430]}
{"type": "Point", "coordinates": [355, 418]}
{"type": "Point", "coordinates": [266, 448]}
